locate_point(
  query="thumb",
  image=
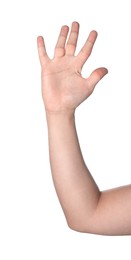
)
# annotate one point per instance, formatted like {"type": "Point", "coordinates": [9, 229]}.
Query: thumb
{"type": "Point", "coordinates": [95, 77]}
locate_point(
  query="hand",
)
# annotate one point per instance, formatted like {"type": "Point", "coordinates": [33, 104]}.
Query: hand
{"type": "Point", "coordinates": [63, 87]}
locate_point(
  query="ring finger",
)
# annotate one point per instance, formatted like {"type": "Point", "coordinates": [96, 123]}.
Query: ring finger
{"type": "Point", "coordinates": [60, 45]}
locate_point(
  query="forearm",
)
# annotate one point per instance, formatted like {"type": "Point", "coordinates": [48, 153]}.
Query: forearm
{"type": "Point", "coordinates": [75, 187]}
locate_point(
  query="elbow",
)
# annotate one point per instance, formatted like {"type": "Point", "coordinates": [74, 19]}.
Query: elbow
{"type": "Point", "coordinates": [74, 227]}
{"type": "Point", "coordinates": [85, 225]}
{"type": "Point", "coordinates": [85, 228]}
{"type": "Point", "coordinates": [79, 227]}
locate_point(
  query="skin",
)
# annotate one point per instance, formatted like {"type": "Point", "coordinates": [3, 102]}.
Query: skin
{"type": "Point", "coordinates": [86, 208]}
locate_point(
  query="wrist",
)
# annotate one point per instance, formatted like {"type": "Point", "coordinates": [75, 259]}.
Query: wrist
{"type": "Point", "coordinates": [60, 114]}
{"type": "Point", "coordinates": [60, 119]}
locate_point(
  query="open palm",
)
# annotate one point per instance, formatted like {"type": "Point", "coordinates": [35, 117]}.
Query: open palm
{"type": "Point", "coordinates": [63, 87]}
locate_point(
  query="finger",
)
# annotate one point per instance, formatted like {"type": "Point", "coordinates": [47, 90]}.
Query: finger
{"type": "Point", "coordinates": [73, 37]}
{"type": "Point", "coordinates": [42, 50]}
{"type": "Point", "coordinates": [87, 48]}
{"type": "Point", "coordinates": [60, 45]}
{"type": "Point", "coordinates": [95, 77]}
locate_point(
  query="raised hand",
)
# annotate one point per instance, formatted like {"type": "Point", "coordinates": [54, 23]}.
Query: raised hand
{"type": "Point", "coordinates": [63, 87]}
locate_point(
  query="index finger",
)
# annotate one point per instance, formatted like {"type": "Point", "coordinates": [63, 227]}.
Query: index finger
{"type": "Point", "coordinates": [86, 50]}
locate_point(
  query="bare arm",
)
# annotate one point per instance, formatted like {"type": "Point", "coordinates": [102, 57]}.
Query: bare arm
{"type": "Point", "coordinates": [86, 208]}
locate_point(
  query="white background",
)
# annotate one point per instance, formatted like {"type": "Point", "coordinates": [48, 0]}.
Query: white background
{"type": "Point", "coordinates": [32, 224]}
